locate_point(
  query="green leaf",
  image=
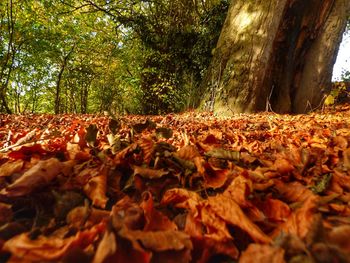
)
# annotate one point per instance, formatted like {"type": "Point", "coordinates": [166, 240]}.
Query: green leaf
{"type": "Point", "coordinates": [322, 184]}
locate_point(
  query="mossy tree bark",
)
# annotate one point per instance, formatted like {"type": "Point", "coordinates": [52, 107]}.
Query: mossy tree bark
{"type": "Point", "coordinates": [275, 55]}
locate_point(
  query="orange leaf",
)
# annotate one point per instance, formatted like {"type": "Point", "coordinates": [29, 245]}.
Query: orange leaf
{"type": "Point", "coordinates": [45, 249]}
{"type": "Point", "coordinates": [155, 220]}
{"type": "Point", "coordinates": [300, 222]}
{"type": "Point", "coordinates": [147, 146]}
{"type": "Point", "coordinates": [188, 152]}
{"type": "Point", "coordinates": [275, 209]}
{"type": "Point", "coordinates": [262, 254]}
{"type": "Point", "coordinates": [340, 236]}
{"type": "Point", "coordinates": [293, 192]}
{"type": "Point", "coordinates": [215, 177]}
{"type": "Point", "coordinates": [227, 209]}
{"type": "Point", "coordinates": [158, 240]}
{"type": "Point", "coordinates": [39, 175]}
{"type": "Point", "coordinates": [96, 188]}
{"type": "Point", "coordinates": [283, 166]}
{"type": "Point", "coordinates": [9, 168]}
{"type": "Point", "coordinates": [106, 248]}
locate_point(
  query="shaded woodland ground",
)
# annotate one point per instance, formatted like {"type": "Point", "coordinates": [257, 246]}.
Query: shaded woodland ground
{"type": "Point", "coordinates": [190, 187]}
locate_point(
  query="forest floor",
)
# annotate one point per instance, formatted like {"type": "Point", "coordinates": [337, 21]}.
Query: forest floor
{"type": "Point", "coordinates": [177, 188]}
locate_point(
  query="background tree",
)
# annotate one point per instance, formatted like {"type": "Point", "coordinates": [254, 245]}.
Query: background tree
{"type": "Point", "coordinates": [176, 39]}
{"type": "Point", "coordinates": [275, 55]}
{"type": "Point", "coordinates": [85, 56]}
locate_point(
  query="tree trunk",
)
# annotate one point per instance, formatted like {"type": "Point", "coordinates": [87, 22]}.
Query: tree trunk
{"type": "Point", "coordinates": [7, 63]}
{"type": "Point", "coordinates": [59, 81]}
{"type": "Point", "coordinates": [275, 55]}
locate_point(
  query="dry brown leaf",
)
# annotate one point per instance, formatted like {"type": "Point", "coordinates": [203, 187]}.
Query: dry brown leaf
{"type": "Point", "coordinates": [155, 220]}
{"type": "Point", "coordinates": [276, 210]}
{"type": "Point", "coordinates": [147, 146]}
{"type": "Point", "coordinates": [96, 188]}
{"type": "Point", "coordinates": [346, 155]}
{"type": "Point", "coordinates": [227, 209]}
{"type": "Point", "coordinates": [106, 248]}
{"type": "Point", "coordinates": [215, 226]}
{"type": "Point", "coordinates": [9, 168]}
{"type": "Point", "coordinates": [340, 236]}
{"type": "Point", "coordinates": [45, 249]}
{"type": "Point", "coordinates": [206, 248]}
{"type": "Point", "coordinates": [149, 173]}
{"type": "Point", "coordinates": [301, 221]}
{"type": "Point", "coordinates": [293, 192]}
{"type": "Point", "coordinates": [188, 152]}
{"type": "Point", "coordinates": [181, 198]}
{"type": "Point", "coordinates": [6, 213]}
{"type": "Point", "coordinates": [85, 216]}
{"type": "Point", "coordinates": [38, 176]}
{"type": "Point", "coordinates": [214, 177]}
{"type": "Point", "coordinates": [158, 240]}
{"type": "Point", "coordinates": [239, 189]}
{"type": "Point", "coordinates": [262, 254]}
{"type": "Point", "coordinates": [283, 166]}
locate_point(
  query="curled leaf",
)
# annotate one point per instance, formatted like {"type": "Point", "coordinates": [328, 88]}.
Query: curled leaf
{"type": "Point", "coordinates": [163, 132]}
{"type": "Point", "coordinates": [9, 168]}
{"type": "Point", "coordinates": [159, 240]}
{"type": "Point", "coordinates": [45, 249]}
{"type": "Point", "coordinates": [322, 184]}
{"type": "Point", "coordinates": [224, 154]}
{"type": "Point", "coordinates": [96, 188]}
{"type": "Point", "coordinates": [149, 173]}
{"type": "Point", "coordinates": [91, 135]}
{"type": "Point", "coordinates": [263, 254]}
{"type": "Point", "coordinates": [114, 125]}
{"type": "Point", "coordinates": [106, 248]}
{"type": "Point", "coordinates": [38, 176]}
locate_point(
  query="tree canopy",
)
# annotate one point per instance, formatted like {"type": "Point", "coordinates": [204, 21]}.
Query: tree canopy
{"type": "Point", "coordinates": [89, 56]}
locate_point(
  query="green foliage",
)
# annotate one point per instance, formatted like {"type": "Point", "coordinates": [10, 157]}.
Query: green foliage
{"type": "Point", "coordinates": [81, 56]}
{"type": "Point", "coordinates": [339, 93]}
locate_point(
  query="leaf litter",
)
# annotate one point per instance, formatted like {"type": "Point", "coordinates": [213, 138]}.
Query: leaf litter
{"type": "Point", "coordinates": [190, 187]}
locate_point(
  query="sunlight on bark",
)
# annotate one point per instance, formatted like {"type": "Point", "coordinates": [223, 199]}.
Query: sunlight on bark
{"type": "Point", "coordinates": [243, 20]}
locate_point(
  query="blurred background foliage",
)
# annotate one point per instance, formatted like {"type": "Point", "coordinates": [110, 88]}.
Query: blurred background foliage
{"type": "Point", "coordinates": [88, 56]}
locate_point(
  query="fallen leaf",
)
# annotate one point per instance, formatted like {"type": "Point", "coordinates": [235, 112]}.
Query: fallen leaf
{"type": "Point", "coordinates": [49, 248]}
{"type": "Point", "coordinates": [155, 220]}
{"type": "Point", "coordinates": [227, 209]}
{"type": "Point", "coordinates": [340, 236]}
{"type": "Point", "coordinates": [6, 213]}
{"type": "Point", "coordinates": [106, 248]}
{"type": "Point", "coordinates": [293, 192]}
{"type": "Point", "coordinates": [91, 135]}
{"type": "Point", "coordinates": [163, 132]}
{"type": "Point", "coordinates": [38, 176]}
{"type": "Point", "coordinates": [158, 240]}
{"type": "Point", "coordinates": [9, 168]}
{"type": "Point", "coordinates": [275, 209]}
{"type": "Point", "coordinates": [96, 188]}
{"type": "Point", "coordinates": [223, 154]}
{"type": "Point", "coordinates": [301, 221]}
{"type": "Point", "coordinates": [148, 172]}
{"type": "Point", "coordinates": [262, 253]}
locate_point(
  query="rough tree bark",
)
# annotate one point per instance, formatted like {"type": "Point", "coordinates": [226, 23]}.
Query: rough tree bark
{"type": "Point", "coordinates": [275, 55]}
